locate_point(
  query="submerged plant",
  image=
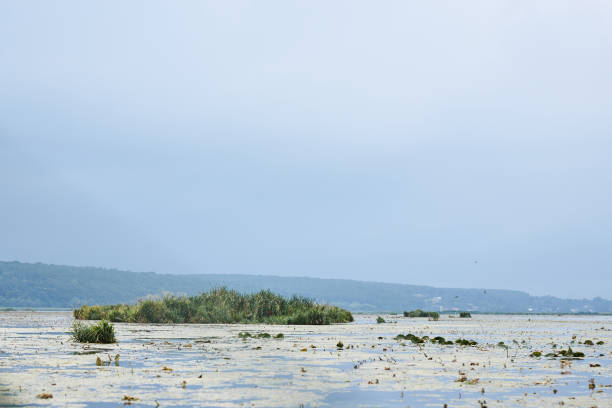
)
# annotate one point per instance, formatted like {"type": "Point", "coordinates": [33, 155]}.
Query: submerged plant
{"type": "Point", "coordinates": [465, 315]}
{"type": "Point", "coordinates": [380, 320]}
{"type": "Point", "coordinates": [102, 332]}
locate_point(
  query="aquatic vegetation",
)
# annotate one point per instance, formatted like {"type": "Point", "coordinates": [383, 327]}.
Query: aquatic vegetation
{"type": "Point", "coordinates": [465, 315]}
{"type": "Point", "coordinates": [588, 343]}
{"type": "Point", "coordinates": [441, 340]}
{"type": "Point", "coordinates": [420, 313]}
{"type": "Point", "coordinates": [592, 384]}
{"type": "Point", "coordinates": [566, 354]}
{"type": "Point", "coordinates": [102, 332]}
{"type": "Point", "coordinates": [246, 335]}
{"type": "Point", "coordinates": [438, 339]}
{"type": "Point", "coordinates": [44, 395]}
{"type": "Point", "coordinates": [600, 343]}
{"type": "Point", "coordinates": [220, 306]}
{"type": "Point", "coordinates": [536, 354]}
{"type": "Point", "coordinates": [466, 342]}
{"type": "Point", "coordinates": [411, 337]}
{"type": "Point", "coordinates": [279, 336]}
{"type": "Point", "coordinates": [380, 320]}
{"type": "Point", "coordinates": [128, 399]}
{"type": "Point", "coordinates": [340, 345]}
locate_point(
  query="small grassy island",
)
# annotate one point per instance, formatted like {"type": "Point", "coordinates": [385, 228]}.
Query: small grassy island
{"type": "Point", "coordinates": [421, 313]}
{"type": "Point", "coordinates": [220, 306]}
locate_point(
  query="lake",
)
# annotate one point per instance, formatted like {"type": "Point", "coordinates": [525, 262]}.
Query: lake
{"type": "Point", "coordinates": [210, 365]}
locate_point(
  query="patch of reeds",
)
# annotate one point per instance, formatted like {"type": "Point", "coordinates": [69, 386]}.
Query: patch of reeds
{"type": "Point", "coordinates": [101, 332]}
{"type": "Point", "coordinates": [220, 305]}
{"type": "Point", "coordinates": [421, 313]}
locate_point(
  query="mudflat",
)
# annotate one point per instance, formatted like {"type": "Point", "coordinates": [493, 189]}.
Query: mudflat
{"type": "Point", "coordinates": [516, 361]}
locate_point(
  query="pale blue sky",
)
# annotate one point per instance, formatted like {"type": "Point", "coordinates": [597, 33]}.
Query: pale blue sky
{"type": "Point", "coordinates": [391, 141]}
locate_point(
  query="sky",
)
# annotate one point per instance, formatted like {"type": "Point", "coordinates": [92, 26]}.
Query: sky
{"type": "Point", "coordinates": [452, 144]}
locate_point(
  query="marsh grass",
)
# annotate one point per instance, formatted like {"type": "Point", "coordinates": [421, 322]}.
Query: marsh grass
{"type": "Point", "coordinates": [421, 313]}
{"type": "Point", "coordinates": [102, 332]}
{"type": "Point", "coordinates": [220, 305]}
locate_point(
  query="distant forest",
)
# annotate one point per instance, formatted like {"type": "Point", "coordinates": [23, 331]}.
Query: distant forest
{"type": "Point", "coordinates": [39, 285]}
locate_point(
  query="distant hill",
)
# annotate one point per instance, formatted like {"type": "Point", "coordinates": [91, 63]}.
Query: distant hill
{"type": "Point", "coordinates": [42, 285]}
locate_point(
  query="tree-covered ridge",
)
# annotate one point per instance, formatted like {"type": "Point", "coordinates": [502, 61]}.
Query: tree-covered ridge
{"type": "Point", "coordinates": [42, 285]}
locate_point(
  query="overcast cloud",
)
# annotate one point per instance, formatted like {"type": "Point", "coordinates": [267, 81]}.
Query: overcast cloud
{"type": "Point", "coordinates": [455, 144]}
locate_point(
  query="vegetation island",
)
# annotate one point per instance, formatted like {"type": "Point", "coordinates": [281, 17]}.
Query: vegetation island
{"type": "Point", "coordinates": [220, 305]}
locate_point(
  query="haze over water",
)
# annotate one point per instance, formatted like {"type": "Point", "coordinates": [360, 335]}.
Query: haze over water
{"type": "Point", "coordinates": [455, 145]}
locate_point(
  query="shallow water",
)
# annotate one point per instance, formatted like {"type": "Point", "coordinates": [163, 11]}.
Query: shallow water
{"type": "Point", "coordinates": [211, 366]}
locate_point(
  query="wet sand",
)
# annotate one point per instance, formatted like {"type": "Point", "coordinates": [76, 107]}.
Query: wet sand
{"type": "Point", "coordinates": [209, 365]}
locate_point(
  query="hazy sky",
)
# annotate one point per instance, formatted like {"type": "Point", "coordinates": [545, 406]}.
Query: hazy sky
{"type": "Point", "coordinates": [456, 144]}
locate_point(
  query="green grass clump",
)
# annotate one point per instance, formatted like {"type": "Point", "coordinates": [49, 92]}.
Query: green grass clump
{"type": "Point", "coordinates": [466, 342]}
{"type": "Point", "coordinates": [380, 320]}
{"type": "Point", "coordinates": [438, 339]}
{"type": "Point", "coordinates": [465, 314]}
{"type": "Point", "coordinates": [102, 332]}
{"type": "Point", "coordinates": [411, 337]}
{"type": "Point", "coordinates": [441, 340]}
{"type": "Point", "coordinates": [420, 313]}
{"type": "Point", "coordinates": [220, 306]}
